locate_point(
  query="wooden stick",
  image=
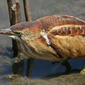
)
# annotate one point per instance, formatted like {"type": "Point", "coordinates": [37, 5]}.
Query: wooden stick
{"type": "Point", "coordinates": [12, 22]}
{"type": "Point", "coordinates": [10, 4]}
{"type": "Point", "coordinates": [14, 12]}
{"type": "Point", "coordinates": [27, 10]}
{"type": "Point", "coordinates": [18, 11]}
{"type": "Point", "coordinates": [15, 17]}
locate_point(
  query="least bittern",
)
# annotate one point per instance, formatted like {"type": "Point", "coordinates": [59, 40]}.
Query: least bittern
{"type": "Point", "coordinates": [53, 38]}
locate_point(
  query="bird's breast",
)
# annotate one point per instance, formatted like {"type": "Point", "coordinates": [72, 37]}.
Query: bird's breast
{"type": "Point", "coordinates": [40, 50]}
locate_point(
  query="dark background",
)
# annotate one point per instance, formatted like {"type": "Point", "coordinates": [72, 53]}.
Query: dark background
{"type": "Point", "coordinates": [39, 8]}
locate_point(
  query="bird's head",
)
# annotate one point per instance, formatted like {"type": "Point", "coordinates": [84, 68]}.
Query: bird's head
{"type": "Point", "coordinates": [25, 29]}
{"type": "Point", "coordinates": [11, 32]}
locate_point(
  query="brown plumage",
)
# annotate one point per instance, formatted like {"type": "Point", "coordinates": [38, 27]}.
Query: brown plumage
{"type": "Point", "coordinates": [51, 38]}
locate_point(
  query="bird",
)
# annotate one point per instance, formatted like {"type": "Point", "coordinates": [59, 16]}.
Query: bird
{"type": "Point", "coordinates": [54, 38]}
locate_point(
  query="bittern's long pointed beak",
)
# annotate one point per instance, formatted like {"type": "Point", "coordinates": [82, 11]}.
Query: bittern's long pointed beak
{"type": "Point", "coordinates": [6, 31]}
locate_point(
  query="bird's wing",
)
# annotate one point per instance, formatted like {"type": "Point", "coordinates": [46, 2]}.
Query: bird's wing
{"type": "Point", "coordinates": [62, 25]}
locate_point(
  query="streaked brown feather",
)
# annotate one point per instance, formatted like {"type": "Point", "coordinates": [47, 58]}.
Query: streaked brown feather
{"type": "Point", "coordinates": [68, 46]}
{"type": "Point", "coordinates": [68, 25]}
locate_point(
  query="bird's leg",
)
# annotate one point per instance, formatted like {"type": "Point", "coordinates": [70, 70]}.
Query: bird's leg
{"type": "Point", "coordinates": [67, 65]}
